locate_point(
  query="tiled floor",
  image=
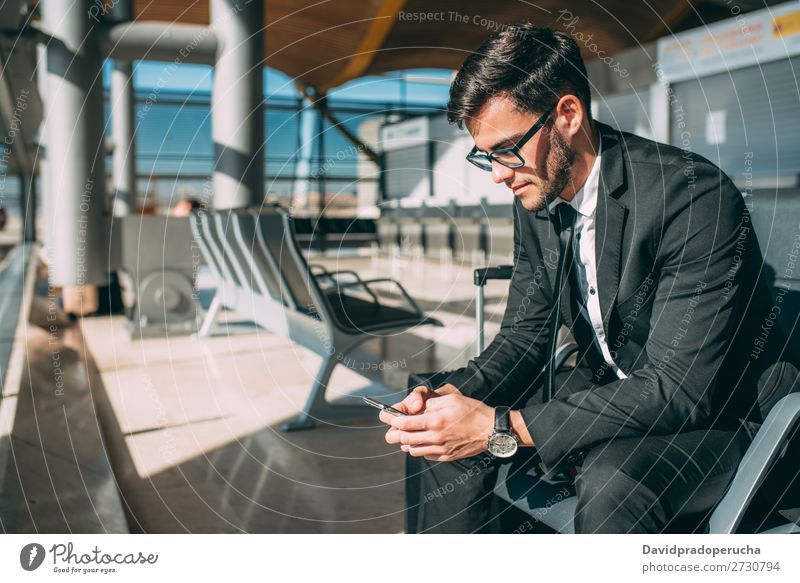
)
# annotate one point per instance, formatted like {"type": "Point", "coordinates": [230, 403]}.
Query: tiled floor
{"type": "Point", "coordinates": [193, 426]}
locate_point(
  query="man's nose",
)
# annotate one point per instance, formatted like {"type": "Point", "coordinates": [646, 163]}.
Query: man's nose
{"type": "Point", "coordinates": [501, 173]}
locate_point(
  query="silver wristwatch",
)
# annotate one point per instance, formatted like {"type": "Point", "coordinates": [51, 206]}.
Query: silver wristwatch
{"type": "Point", "coordinates": [502, 442]}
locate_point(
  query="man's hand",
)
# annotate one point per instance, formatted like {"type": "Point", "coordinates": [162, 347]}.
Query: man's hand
{"type": "Point", "coordinates": [441, 425]}
{"type": "Point", "coordinates": [414, 403]}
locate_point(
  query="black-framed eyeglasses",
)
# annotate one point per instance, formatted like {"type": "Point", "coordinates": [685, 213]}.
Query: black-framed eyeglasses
{"type": "Point", "coordinates": [508, 157]}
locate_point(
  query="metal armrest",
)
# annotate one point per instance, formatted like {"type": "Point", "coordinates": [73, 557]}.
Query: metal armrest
{"type": "Point", "coordinates": [318, 269]}
{"type": "Point", "coordinates": [351, 273]}
{"type": "Point", "coordinates": [321, 270]}
{"type": "Point", "coordinates": [330, 279]}
{"type": "Point", "coordinates": [322, 275]}
{"type": "Point", "coordinates": [762, 453]}
{"type": "Point", "coordinates": [366, 285]}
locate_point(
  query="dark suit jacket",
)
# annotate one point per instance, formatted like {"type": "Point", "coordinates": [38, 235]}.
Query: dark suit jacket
{"type": "Point", "coordinates": [685, 307]}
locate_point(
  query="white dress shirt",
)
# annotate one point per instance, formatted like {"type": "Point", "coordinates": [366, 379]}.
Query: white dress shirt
{"type": "Point", "coordinates": [585, 203]}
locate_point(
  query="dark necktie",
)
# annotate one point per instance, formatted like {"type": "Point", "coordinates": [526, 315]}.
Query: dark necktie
{"type": "Point", "coordinates": [566, 224]}
{"type": "Point", "coordinates": [582, 330]}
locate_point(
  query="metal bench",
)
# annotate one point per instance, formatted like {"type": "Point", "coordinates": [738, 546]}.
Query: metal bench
{"type": "Point", "coordinates": [262, 274]}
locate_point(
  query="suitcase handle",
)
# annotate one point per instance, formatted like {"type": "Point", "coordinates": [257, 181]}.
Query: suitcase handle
{"type": "Point", "coordinates": [481, 275]}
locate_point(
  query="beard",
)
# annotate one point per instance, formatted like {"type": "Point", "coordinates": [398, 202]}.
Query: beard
{"type": "Point", "coordinates": [559, 166]}
{"type": "Point", "coordinates": [557, 171]}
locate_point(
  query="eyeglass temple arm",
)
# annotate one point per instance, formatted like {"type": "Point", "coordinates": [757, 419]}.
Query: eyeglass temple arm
{"type": "Point", "coordinates": [534, 128]}
{"type": "Point", "coordinates": [527, 136]}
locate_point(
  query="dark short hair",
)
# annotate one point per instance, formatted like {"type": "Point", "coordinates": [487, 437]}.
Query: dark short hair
{"type": "Point", "coordinates": [532, 65]}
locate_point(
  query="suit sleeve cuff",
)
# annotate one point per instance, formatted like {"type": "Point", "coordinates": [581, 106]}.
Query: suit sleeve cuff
{"type": "Point", "coordinates": [545, 431]}
{"type": "Point", "coordinates": [467, 381]}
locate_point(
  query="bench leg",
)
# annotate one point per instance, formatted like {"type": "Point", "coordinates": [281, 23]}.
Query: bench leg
{"type": "Point", "coordinates": [318, 410]}
{"type": "Point", "coordinates": [211, 315]}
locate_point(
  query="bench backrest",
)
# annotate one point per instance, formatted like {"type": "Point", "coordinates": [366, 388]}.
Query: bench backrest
{"type": "Point", "coordinates": [262, 269]}
{"type": "Point", "coordinates": [214, 243]}
{"type": "Point", "coordinates": [231, 253]}
{"type": "Point", "coordinates": [275, 234]}
{"type": "Point", "coordinates": [200, 237]}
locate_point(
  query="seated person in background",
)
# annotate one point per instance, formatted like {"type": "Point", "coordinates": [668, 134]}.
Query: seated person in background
{"type": "Point", "coordinates": [183, 208]}
{"type": "Point", "coordinates": [649, 248]}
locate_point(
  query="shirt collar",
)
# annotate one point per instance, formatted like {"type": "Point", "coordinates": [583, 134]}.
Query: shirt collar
{"type": "Point", "coordinates": [585, 200]}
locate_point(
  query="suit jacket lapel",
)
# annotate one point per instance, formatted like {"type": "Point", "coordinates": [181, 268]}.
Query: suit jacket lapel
{"type": "Point", "coordinates": [610, 217]}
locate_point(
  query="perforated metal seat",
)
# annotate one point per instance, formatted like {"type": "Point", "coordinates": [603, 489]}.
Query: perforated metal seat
{"type": "Point", "coordinates": [263, 275]}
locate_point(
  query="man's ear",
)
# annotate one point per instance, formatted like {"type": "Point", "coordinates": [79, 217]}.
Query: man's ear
{"type": "Point", "coordinates": [570, 114]}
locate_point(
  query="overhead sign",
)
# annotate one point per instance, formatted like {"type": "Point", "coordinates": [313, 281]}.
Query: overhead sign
{"type": "Point", "coordinates": [405, 134]}
{"type": "Point", "coordinates": [741, 41]}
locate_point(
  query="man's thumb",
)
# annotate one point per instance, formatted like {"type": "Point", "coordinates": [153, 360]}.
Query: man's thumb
{"type": "Point", "coordinates": [415, 401]}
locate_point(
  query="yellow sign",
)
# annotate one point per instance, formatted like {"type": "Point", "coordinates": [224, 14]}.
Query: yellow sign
{"type": "Point", "coordinates": [786, 24]}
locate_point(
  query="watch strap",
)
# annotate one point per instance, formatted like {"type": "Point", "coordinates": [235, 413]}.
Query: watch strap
{"type": "Point", "coordinates": [502, 420]}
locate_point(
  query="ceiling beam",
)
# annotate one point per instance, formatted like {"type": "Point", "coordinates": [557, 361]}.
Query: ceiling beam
{"type": "Point", "coordinates": [672, 18]}
{"type": "Point", "coordinates": [370, 44]}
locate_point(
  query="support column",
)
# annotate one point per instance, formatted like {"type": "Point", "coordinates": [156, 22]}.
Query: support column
{"type": "Point", "coordinates": [304, 174]}
{"type": "Point", "coordinates": [322, 194]}
{"type": "Point", "coordinates": [124, 174]}
{"type": "Point", "coordinates": [75, 198]}
{"type": "Point", "coordinates": [237, 115]}
{"type": "Point", "coordinates": [27, 207]}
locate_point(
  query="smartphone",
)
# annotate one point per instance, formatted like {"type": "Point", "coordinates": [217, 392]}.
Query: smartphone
{"type": "Point", "coordinates": [382, 406]}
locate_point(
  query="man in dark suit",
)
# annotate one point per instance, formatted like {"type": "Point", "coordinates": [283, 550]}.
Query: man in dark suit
{"type": "Point", "coordinates": [660, 284]}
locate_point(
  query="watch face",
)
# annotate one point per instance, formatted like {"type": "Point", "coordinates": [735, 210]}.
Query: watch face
{"type": "Point", "coordinates": [502, 445]}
